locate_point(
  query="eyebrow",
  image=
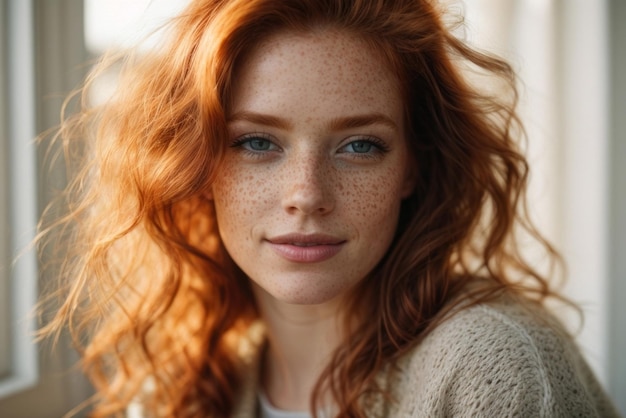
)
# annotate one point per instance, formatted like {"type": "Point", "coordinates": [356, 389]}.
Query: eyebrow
{"type": "Point", "coordinates": [260, 119]}
{"type": "Point", "coordinates": [336, 124]}
{"type": "Point", "coordinates": [347, 122]}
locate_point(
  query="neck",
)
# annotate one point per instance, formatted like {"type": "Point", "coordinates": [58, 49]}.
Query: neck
{"type": "Point", "coordinates": [302, 339]}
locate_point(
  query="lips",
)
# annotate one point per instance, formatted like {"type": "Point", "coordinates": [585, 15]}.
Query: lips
{"type": "Point", "coordinates": [306, 248]}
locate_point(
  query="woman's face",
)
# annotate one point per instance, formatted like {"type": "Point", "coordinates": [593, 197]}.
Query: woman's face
{"type": "Point", "coordinates": [317, 164]}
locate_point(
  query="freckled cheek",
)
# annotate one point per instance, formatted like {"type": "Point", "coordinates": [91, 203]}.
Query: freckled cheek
{"type": "Point", "coordinates": [239, 194]}
{"type": "Point", "coordinates": [374, 199]}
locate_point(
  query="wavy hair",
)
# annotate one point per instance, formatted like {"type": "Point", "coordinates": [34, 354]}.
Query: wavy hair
{"type": "Point", "coordinates": [149, 291]}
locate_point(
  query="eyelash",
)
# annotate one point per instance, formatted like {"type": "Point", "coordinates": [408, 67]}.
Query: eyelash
{"type": "Point", "coordinates": [240, 143]}
{"type": "Point", "coordinates": [379, 146]}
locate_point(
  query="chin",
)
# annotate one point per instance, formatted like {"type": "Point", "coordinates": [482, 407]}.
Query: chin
{"type": "Point", "coordinates": [303, 293]}
{"type": "Point", "coordinates": [305, 299]}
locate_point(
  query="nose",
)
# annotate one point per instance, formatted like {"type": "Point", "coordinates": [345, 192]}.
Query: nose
{"type": "Point", "coordinates": [308, 186]}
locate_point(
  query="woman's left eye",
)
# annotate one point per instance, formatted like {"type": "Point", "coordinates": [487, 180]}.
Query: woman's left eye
{"type": "Point", "coordinates": [364, 146]}
{"type": "Point", "coordinates": [360, 147]}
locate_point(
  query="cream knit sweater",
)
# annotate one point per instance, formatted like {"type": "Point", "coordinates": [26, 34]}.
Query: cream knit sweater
{"type": "Point", "coordinates": [500, 359]}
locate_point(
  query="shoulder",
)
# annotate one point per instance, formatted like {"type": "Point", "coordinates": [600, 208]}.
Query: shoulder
{"type": "Point", "coordinates": [498, 359]}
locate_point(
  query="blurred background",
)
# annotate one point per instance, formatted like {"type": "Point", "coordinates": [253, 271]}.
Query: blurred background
{"type": "Point", "coordinates": [571, 59]}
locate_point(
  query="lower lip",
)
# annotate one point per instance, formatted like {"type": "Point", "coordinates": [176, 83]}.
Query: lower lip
{"type": "Point", "coordinates": [312, 254]}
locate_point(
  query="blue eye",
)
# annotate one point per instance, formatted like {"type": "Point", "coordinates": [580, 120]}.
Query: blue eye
{"type": "Point", "coordinates": [255, 144]}
{"type": "Point", "coordinates": [360, 147]}
{"type": "Point", "coordinates": [365, 147]}
{"type": "Point", "coordinates": [258, 144]}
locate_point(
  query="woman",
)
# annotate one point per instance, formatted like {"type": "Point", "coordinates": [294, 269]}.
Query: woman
{"type": "Point", "coordinates": [305, 207]}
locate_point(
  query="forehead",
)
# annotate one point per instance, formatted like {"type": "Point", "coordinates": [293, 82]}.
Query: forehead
{"type": "Point", "coordinates": [322, 67]}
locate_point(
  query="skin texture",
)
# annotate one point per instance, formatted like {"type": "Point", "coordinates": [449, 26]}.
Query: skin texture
{"type": "Point", "coordinates": [296, 166]}
{"type": "Point", "coordinates": [310, 180]}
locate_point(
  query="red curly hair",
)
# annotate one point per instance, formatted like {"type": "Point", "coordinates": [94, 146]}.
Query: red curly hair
{"type": "Point", "coordinates": [151, 294]}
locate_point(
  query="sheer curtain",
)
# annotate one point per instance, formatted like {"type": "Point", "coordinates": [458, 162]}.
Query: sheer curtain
{"type": "Point", "coordinates": [560, 51]}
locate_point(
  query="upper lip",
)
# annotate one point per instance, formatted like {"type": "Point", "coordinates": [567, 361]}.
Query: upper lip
{"type": "Point", "coordinates": [310, 239]}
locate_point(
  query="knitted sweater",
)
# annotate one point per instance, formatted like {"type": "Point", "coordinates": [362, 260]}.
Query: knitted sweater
{"type": "Point", "coordinates": [500, 359]}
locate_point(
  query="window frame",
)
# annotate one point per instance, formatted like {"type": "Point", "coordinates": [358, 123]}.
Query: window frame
{"type": "Point", "coordinates": [17, 60]}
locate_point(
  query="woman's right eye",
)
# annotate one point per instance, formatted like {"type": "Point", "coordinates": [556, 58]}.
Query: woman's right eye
{"type": "Point", "coordinates": [258, 144]}
{"type": "Point", "coordinates": [255, 143]}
